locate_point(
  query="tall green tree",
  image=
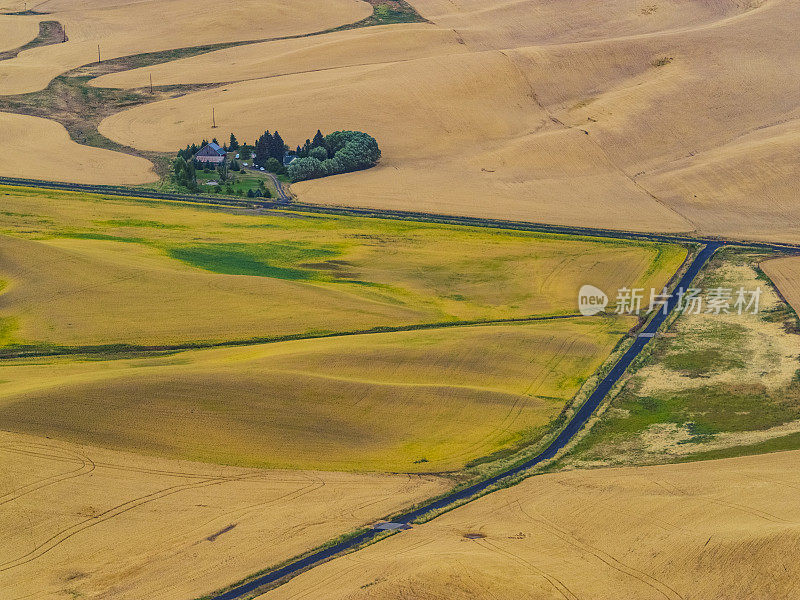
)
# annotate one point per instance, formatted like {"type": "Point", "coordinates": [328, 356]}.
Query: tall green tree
{"type": "Point", "coordinates": [318, 141]}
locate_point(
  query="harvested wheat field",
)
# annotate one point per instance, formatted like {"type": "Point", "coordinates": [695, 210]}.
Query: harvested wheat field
{"type": "Point", "coordinates": [553, 112]}
{"type": "Point", "coordinates": [83, 269]}
{"type": "Point", "coordinates": [701, 531]}
{"type": "Point", "coordinates": [124, 28]}
{"type": "Point", "coordinates": [499, 24]}
{"type": "Point", "coordinates": [413, 401]}
{"type": "Point", "coordinates": [45, 151]}
{"type": "Point", "coordinates": [84, 522]}
{"type": "Point", "coordinates": [16, 31]}
{"type": "Point", "coordinates": [374, 45]}
{"type": "Point", "coordinates": [785, 274]}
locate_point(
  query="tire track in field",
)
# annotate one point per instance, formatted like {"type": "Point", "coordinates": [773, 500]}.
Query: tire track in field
{"type": "Point", "coordinates": [106, 515]}
{"type": "Point", "coordinates": [557, 584]}
{"type": "Point", "coordinates": [86, 467]}
{"type": "Point", "coordinates": [113, 466]}
{"type": "Point", "coordinates": [656, 584]}
{"type": "Point", "coordinates": [754, 512]}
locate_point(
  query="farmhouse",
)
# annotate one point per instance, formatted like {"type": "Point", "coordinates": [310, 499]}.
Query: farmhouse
{"type": "Point", "coordinates": [210, 153]}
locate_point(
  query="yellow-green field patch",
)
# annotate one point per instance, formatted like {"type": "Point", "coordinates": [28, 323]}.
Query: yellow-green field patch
{"type": "Point", "coordinates": [411, 401]}
{"type": "Point", "coordinates": [86, 269]}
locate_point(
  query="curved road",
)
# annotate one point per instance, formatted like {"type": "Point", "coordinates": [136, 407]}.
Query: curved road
{"type": "Point", "coordinates": [573, 427]}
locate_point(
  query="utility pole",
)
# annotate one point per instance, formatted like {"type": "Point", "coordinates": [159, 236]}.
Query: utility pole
{"type": "Point", "coordinates": [151, 84]}
{"type": "Point", "coordinates": [213, 119]}
{"type": "Point", "coordinates": [98, 54]}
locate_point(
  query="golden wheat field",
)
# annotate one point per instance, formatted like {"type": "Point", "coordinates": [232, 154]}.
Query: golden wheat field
{"type": "Point", "coordinates": [45, 151]}
{"type": "Point", "coordinates": [785, 274]}
{"type": "Point", "coordinates": [660, 116]}
{"type": "Point", "coordinates": [412, 401]}
{"type": "Point", "coordinates": [15, 32]}
{"type": "Point", "coordinates": [122, 28]}
{"type": "Point", "coordinates": [702, 531]}
{"type": "Point", "coordinates": [83, 522]}
{"type": "Point", "coordinates": [374, 45]}
{"type": "Point", "coordinates": [83, 269]}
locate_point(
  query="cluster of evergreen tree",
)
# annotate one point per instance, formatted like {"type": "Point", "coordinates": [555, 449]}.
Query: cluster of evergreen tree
{"type": "Point", "coordinates": [269, 146]}
{"type": "Point", "coordinates": [338, 152]}
{"type": "Point", "coordinates": [304, 151]}
{"type": "Point", "coordinates": [188, 152]}
{"type": "Point", "coordinates": [185, 174]}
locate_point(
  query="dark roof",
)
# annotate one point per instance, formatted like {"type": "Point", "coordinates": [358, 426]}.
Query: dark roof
{"type": "Point", "coordinates": [211, 149]}
{"type": "Point", "coordinates": [287, 159]}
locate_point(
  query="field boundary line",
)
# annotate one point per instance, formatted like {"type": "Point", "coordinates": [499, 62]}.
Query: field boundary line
{"type": "Point", "coordinates": [29, 351]}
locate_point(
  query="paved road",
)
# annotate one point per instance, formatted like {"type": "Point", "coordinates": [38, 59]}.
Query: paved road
{"type": "Point", "coordinates": [259, 204]}
{"type": "Point", "coordinates": [573, 427]}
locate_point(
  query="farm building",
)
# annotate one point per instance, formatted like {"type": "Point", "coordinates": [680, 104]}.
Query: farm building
{"type": "Point", "coordinates": [210, 153]}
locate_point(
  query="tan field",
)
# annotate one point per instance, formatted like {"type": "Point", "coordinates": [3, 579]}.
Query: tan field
{"type": "Point", "coordinates": [703, 531]}
{"type": "Point", "coordinates": [375, 45]}
{"type": "Point", "coordinates": [43, 150]}
{"type": "Point", "coordinates": [552, 112]}
{"type": "Point", "coordinates": [123, 28]}
{"type": "Point", "coordinates": [785, 274]}
{"type": "Point", "coordinates": [83, 269]}
{"type": "Point", "coordinates": [499, 24]}
{"type": "Point", "coordinates": [83, 522]}
{"type": "Point", "coordinates": [417, 401]}
{"type": "Point", "coordinates": [16, 31]}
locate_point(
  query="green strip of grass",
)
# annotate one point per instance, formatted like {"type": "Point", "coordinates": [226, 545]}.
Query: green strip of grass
{"type": "Point", "coordinates": [779, 444]}
{"type": "Point", "coordinates": [277, 259]}
{"type": "Point", "coordinates": [140, 223]}
{"type": "Point", "coordinates": [81, 235]}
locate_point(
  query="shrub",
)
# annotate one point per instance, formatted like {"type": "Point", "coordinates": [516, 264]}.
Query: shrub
{"type": "Point", "coordinates": [348, 151]}
{"type": "Point", "coordinates": [319, 153]}
{"type": "Point", "coordinates": [306, 168]}
{"type": "Point", "coordinates": [273, 165]}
